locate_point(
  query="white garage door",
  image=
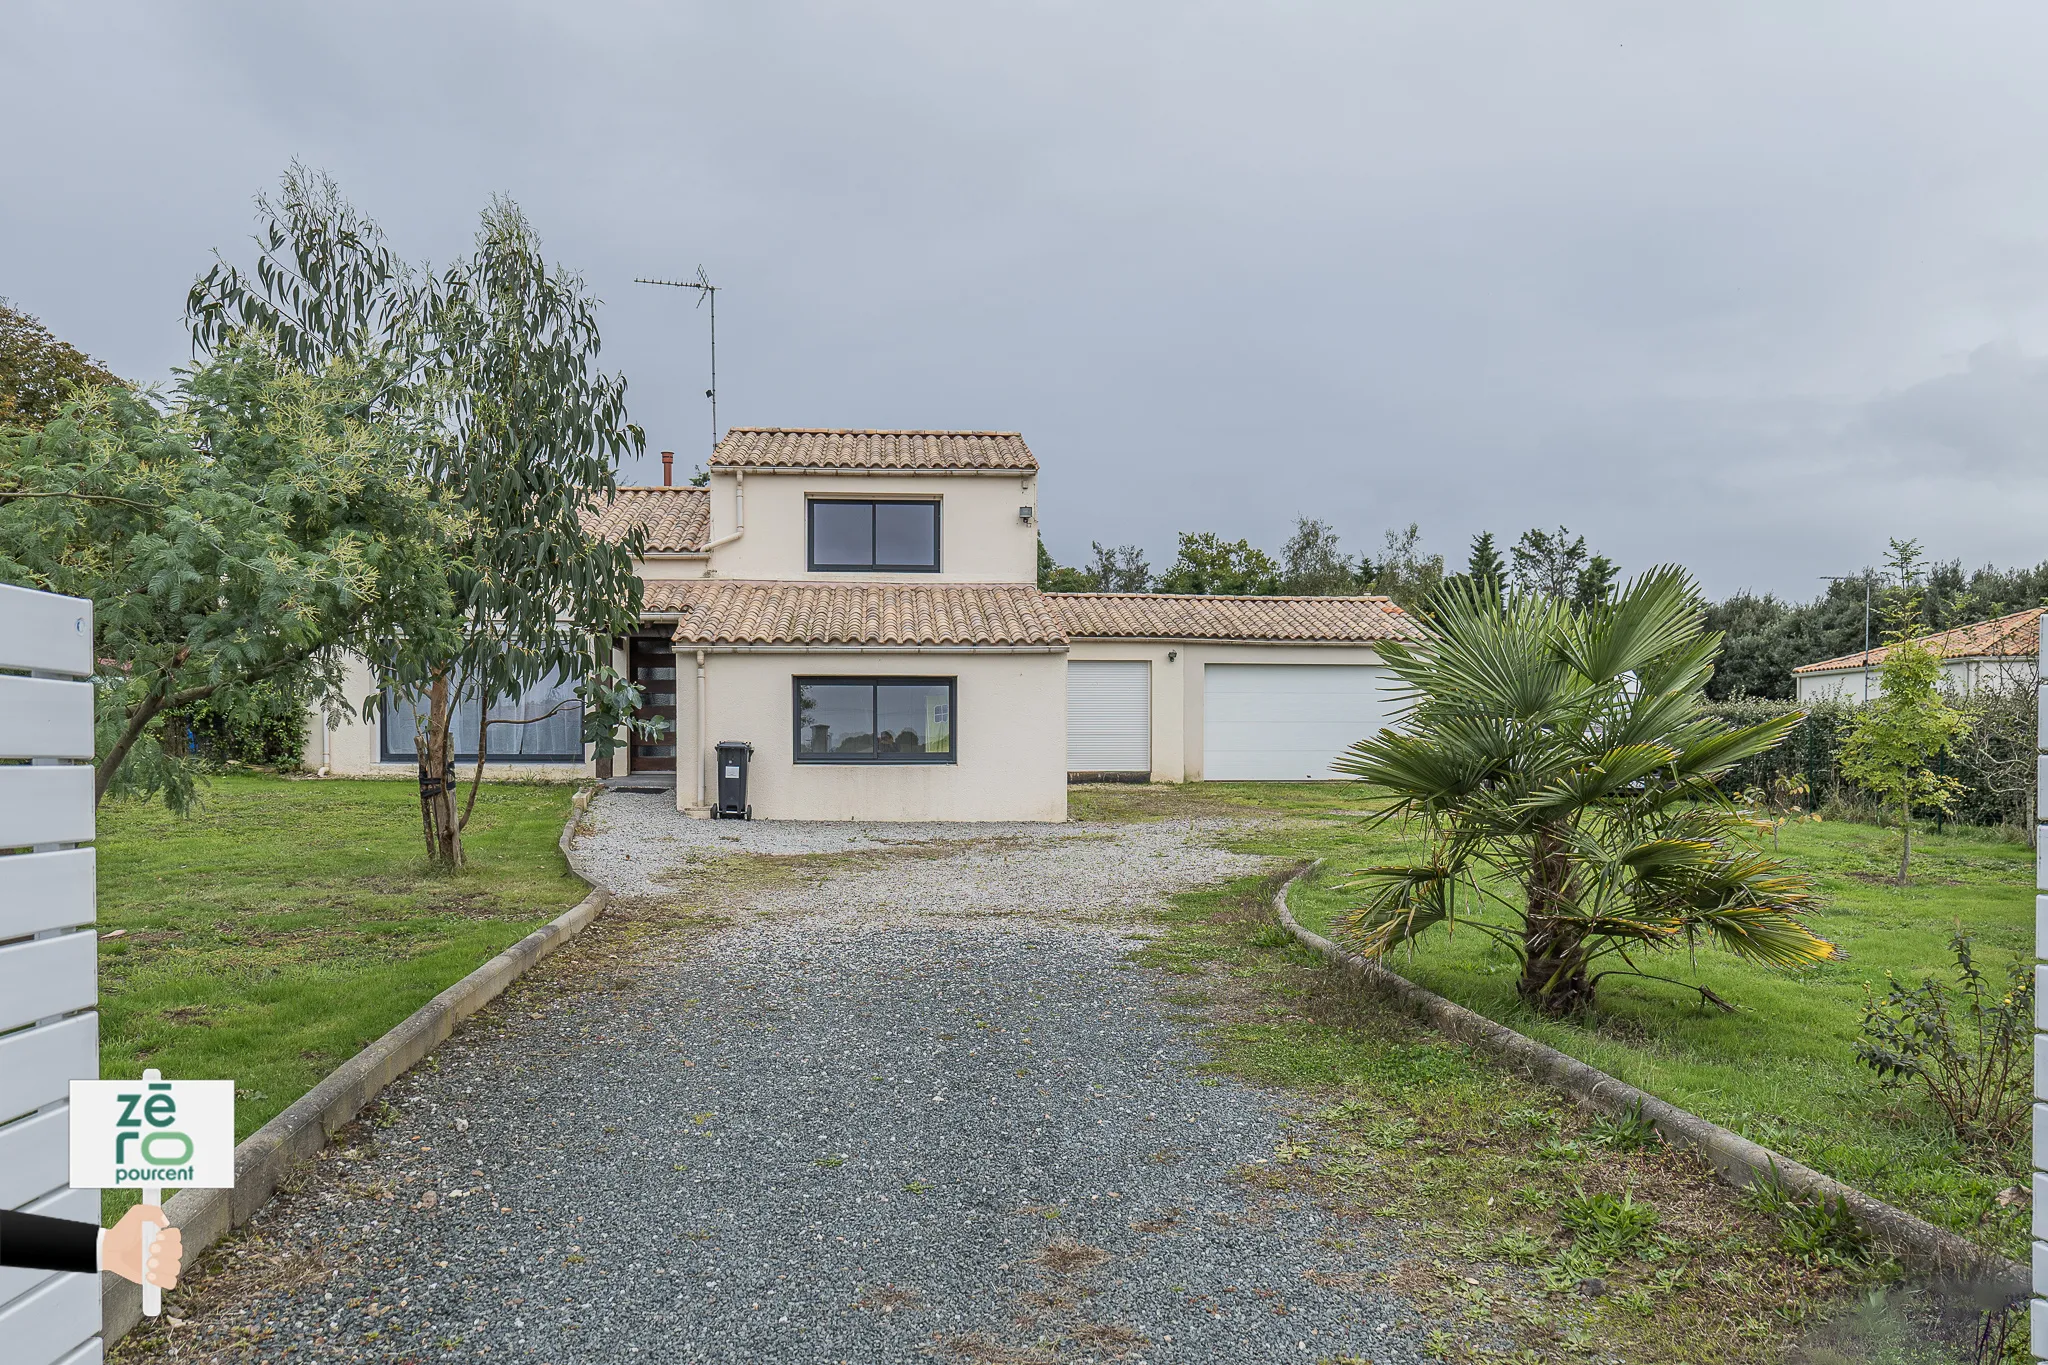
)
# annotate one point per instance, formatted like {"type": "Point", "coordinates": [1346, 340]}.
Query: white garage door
{"type": "Point", "coordinates": [1280, 722]}
{"type": "Point", "coordinates": [1109, 716]}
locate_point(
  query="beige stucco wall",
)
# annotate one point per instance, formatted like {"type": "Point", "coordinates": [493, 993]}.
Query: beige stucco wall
{"type": "Point", "coordinates": [1010, 731]}
{"type": "Point", "coordinates": [981, 539]}
{"type": "Point", "coordinates": [1177, 687]}
{"type": "Point", "coordinates": [351, 747]}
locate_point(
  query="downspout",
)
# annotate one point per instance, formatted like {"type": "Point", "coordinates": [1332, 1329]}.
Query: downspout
{"type": "Point", "coordinates": [739, 511]}
{"type": "Point", "coordinates": [703, 731]}
{"type": "Point", "coordinates": [326, 745]}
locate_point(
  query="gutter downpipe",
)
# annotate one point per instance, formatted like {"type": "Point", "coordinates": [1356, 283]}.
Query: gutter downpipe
{"type": "Point", "coordinates": [699, 811]}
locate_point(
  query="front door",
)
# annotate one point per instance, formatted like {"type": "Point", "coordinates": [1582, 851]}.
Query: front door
{"type": "Point", "coordinates": [654, 671]}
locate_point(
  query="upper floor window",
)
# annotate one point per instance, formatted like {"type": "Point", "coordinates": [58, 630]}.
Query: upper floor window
{"type": "Point", "coordinates": [861, 534]}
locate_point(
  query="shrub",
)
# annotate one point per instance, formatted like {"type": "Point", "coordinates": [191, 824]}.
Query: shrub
{"type": "Point", "coordinates": [1968, 1047]}
{"type": "Point", "coordinates": [263, 725]}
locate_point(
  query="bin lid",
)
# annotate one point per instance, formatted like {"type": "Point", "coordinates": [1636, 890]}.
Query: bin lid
{"type": "Point", "coordinates": [725, 744]}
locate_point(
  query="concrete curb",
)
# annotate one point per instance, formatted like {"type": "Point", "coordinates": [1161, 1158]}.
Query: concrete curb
{"type": "Point", "coordinates": [1928, 1251]}
{"type": "Point", "coordinates": [267, 1156]}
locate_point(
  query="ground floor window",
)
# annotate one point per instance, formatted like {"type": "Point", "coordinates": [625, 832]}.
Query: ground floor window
{"type": "Point", "coordinates": [543, 725]}
{"type": "Point", "coordinates": [875, 720]}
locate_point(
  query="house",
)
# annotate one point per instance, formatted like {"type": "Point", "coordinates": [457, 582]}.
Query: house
{"type": "Point", "coordinates": [1999, 653]}
{"type": "Point", "coordinates": [862, 608]}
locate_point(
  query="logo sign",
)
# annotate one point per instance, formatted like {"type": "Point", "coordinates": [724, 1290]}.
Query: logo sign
{"type": "Point", "coordinates": [128, 1134]}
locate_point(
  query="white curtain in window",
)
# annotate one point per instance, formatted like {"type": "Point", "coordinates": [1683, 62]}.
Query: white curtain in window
{"type": "Point", "coordinates": [559, 736]}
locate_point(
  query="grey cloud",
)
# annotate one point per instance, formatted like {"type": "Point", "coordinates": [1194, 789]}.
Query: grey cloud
{"type": "Point", "coordinates": [1692, 280]}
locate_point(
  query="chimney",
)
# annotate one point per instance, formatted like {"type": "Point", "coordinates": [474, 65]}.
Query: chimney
{"type": "Point", "coordinates": [668, 468]}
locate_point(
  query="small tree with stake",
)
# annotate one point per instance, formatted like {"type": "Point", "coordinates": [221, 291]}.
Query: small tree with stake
{"type": "Point", "coordinates": [1896, 736]}
{"type": "Point", "coordinates": [1561, 761]}
{"type": "Point", "coordinates": [492, 362]}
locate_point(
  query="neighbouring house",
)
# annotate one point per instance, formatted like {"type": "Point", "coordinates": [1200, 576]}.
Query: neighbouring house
{"type": "Point", "coordinates": [1999, 653]}
{"type": "Point", "coordinates": [862, 608]}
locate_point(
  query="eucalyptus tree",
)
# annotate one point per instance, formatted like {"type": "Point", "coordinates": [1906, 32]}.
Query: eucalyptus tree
{"type": "Point", "coordinates": [491, 364]}
{"type": "Point", "coordinates": [1562, 765]}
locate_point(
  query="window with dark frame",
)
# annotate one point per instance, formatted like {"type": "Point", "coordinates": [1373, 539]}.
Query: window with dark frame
{"type": "Point", "coordinates": [852, 535]}
{"type": "Point", "coordinates": [874, 720]}
{"type": "Point", "coordinates": [544, 725]}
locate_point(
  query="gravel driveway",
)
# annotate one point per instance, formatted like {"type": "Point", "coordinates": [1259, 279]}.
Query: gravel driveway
{"type": "Point", "coordinates": [907, 1101]}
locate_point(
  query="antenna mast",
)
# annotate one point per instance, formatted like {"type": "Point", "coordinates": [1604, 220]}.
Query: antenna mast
{"type": "Point", "coordinates": [706, 290]}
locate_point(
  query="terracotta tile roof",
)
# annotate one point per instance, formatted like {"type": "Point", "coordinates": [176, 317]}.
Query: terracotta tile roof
{"type": "Point", "coordinates": [1176, 616]}
{"type": "Point", "coordinates": [678, 520]}
{"type": "Point", "coordinates": [2017, 636]}
{"type": "Point", "coordinates": [821, 448]}
{"type": "Point", "coordinates": [738, 612]}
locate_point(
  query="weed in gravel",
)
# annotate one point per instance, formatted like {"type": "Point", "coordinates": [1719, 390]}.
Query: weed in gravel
{"type": "Point", "coordinates": [1627, 1131]}
{"type": "Point", "coordinates": [1065, 1256]}
{"type": "Point", "coordinates": [1607, 1226]}
{"type": "Point", "coordinates": [979, 1349]}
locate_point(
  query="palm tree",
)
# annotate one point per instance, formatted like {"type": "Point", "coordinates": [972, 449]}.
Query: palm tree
{"type": "Point", "coordinates": [1561, 762]}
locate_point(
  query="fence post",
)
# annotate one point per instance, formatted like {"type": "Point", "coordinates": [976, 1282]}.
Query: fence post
{"type": "Point", "coordinates": [2038, 1317]}
{"type": "Point", "coordinates": [49, 955]}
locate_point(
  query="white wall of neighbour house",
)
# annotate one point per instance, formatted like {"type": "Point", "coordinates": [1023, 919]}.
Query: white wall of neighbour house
{"type": "Point", "coordinates": [49, 956]}
{"type": "Point", "coordinates": [1960, 676]}
{"type": "Point", "coordinates": [981, 537]}
{"type": "Point", "coordinates": [1179, 669]}
{"type": "Point", "coordinates": [1010, 736]}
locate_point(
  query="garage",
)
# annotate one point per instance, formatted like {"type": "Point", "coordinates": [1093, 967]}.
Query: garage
{"type": "Point", "coordinates": [1287, 722]}
{"type": "Point", "coordinates": [1109, 717]}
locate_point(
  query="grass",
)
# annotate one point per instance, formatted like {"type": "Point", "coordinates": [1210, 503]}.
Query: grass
{"type": "Point", "coordinates": [285, 924]}
{"type": "Point", "coordinates": [1529, 1230]}
{"type": "Point", "coordinates": [1782, 1069]}
{"type": "Point", "coordinates": [1524, 1234]}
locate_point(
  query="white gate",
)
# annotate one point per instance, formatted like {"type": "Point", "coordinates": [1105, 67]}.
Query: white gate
{"type": "Point", "coordinates": [2039, 1315]}
{"type": "Point", "coordinates": [49, 1027]}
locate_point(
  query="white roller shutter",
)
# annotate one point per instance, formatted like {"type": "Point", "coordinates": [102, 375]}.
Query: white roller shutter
{"type": "Point", "coordinates": [1109, 716]}
{"type": "Point", "coordinates": [1287, 722]}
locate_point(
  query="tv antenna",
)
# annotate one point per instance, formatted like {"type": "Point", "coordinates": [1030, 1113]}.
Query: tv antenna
{"type": "Point", "coordinates": [706, 290]}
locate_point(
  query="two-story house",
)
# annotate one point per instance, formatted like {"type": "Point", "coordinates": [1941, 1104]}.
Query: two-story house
{"type": "Point", "coordinates": [862, 608]}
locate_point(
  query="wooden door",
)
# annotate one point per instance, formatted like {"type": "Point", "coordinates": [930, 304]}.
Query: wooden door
{"type": "Point", "coordinates": [654, 669]}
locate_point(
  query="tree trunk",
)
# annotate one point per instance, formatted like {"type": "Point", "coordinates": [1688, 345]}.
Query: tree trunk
{"type": "Point", "coordinates": [1554, 979]}
{"type": "Point", "coordinates": [1906, 833]}
{"type": "Point", "coordinates": [438, 817]}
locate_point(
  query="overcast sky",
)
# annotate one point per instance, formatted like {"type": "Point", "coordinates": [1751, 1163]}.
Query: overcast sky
{"type": "Point", "coordinates": [1749, 287]}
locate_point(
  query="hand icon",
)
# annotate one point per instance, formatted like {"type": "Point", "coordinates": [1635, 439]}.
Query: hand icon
{"type": "Point", "coordinates": [122, 1251]}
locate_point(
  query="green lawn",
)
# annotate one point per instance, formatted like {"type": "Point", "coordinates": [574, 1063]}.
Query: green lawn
{"type": "Point", "coordinates": [286, 923]}
{"type": "Point", "coordinates": [1782, 1070]}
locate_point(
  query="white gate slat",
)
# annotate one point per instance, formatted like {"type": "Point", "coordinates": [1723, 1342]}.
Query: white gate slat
{"type": "Point", "coordinates": [47, 976]}
{"type": "Point", "coordinates": [41, 891]}
{"type": "Point", "coordinates": [45, 631]}
{"type": "Point", "coordinates": [48, 805]}
{"type": "Point", "coordinates": [37, 1065]}
{"type": "Point", "coordinates": [45, 718]}
{"type": "Point", "coordinates": [35, 1157]}
{"type": "Point", "coordinates": [92, 1353]}
{"type": "Point", "coordinates": [83, 1205]}
{"type": "Point", "coordinates": [43, 1325]}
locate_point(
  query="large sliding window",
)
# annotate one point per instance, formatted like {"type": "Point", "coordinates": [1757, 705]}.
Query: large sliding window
{"type": "Point", "coordinates": [892, 537]}
{"type": "Point", "coordinates": [551, 732]}
{"type": "Point", "coordinates": [875, 720]}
